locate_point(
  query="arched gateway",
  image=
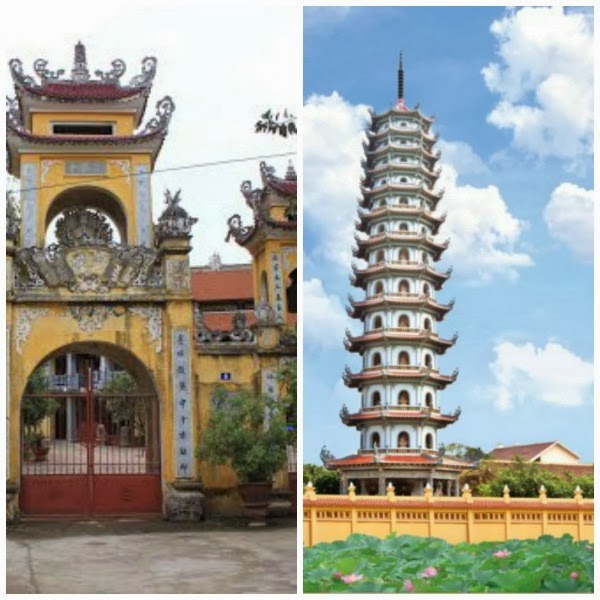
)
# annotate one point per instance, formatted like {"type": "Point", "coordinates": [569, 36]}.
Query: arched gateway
{"type": "Point", "coordinates": [90, 437]}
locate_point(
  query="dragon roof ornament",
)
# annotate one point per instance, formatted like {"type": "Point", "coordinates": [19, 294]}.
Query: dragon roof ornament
{"type": "Point", "coordinates": [80, 73]}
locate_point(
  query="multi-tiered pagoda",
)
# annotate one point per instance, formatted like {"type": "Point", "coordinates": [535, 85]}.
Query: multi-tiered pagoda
{"type": "Point", "coordinates": [399, 382]}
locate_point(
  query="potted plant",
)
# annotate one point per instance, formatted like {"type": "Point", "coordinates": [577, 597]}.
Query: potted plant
{"type": "Point", "coordinates": [35, 409]}
{"type": "Point", "coordinates": [287, 379]}
{"type": "Point", "coordinates": [247, 432]}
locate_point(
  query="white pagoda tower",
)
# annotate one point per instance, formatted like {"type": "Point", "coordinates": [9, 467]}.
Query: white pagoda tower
{"type": "Point", "coordinates": [399, 416]}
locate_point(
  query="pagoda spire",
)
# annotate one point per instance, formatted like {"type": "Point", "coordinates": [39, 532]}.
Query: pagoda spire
{"type": "Point", "coordinates": [80, 70]}
{"type": "Point", "coordinates": [400, 81]}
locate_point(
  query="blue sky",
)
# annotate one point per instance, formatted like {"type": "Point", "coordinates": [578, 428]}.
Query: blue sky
{"type": "Point", "coordinates": [512, 95]}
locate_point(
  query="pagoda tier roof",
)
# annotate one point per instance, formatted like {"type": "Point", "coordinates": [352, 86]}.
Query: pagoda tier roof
{"type": "Point", "coordinates": [391, 148]}
{"type": "Point", "coordinates": [398, 299]}
{"type": "Point", "coordinates": [362, 276]}
{"type": "Point", "coordinates": [150, 138]}
{"type": "Point", "coordinates": [370, 172]}
{"type": "Point", "coordinates": [405, 131]}
{"type": "Point", "coordinates": [398, 373]}
{"type": "Point", "coordinates": [406, 335]}
{"type": "Point", "coordinates": [400, 414]}
{"type": "Point", "coordinates": [399, 238]}
{"type": "Point", "coordinates": [275, 191]}
{"type": "Point", "coordinates": [403, 187]}
{"type": "Point", "coordinates": [402, 110]}
{"type": "Point", "coordinates": [399, 210]}
{"type": "Point", "coordinates": [387, 459]}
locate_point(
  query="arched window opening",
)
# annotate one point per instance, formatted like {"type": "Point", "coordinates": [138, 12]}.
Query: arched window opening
{"type": "Point", "coordinates": [404, 287]}
{"type": "Point", "coordinates": [428, 361]}
{"type": "Point", "coordinates": [380, 256]}
{"type": "Point", "coordinates": [381, 227]}
{"type": "Point", "coordinates": [403, 359]}
{"type": "Point", "coordinates": [429, 400]}
{"type": "Point", "coordinates": [403, 200]}
{"type": "Point", "coordinates": [429, 441]}
{"type": "Point", "coordinates": [403, 440]}
{"type": "Point", "coordinates": [376, 360]}
{"type": "Point", "coordinates": [403, 180]}
{"type": "Point", "coordinates": [378, 289]}
{"type": "Point", "coordinates": [403, 321]}
{"type": "Point", "coordinates": [404, 254]}
{"type": "Point", "coordinates": [426, 289]}
{"type": "Point", "coordinates": [403, 398]}
{"type": "Point", "coordinates": [427, 324]}
{"type": "Point", "coordinates": [375, 440]}
{"type": "Point", "coordinates": [377, 322]}
{"type": "Point", "coordinates": [425, 258]}
{"type": "Point", "coordinates": [376, 399]}
{"type": "Point", "coordinates": [424, 230]}
{"type": "Point", "coordinates": [291, 293]}
{"type": "Point", "coordinates": [403, 226]}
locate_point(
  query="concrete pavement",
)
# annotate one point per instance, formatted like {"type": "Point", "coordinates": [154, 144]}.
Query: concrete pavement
{"type": "Point", "coordinates": [136, 556]}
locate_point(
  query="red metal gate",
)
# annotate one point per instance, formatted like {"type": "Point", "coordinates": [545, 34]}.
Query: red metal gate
{"type": "Point", "coordinates": [98, 454]}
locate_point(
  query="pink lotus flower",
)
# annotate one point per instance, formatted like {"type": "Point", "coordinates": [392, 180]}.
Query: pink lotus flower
{"type": "Point", "coordinates": [408, 586]}
{"type": "Point", "coordinates": [574, 575]}
{"type": "Point", "coordinates": [502, 553]}
{"type": "Point", "coordinates": [429, 572]}
{"type": "Point", "coordinates": [337, 575]}
{"type": "Point", "coordinates": [352, 578]}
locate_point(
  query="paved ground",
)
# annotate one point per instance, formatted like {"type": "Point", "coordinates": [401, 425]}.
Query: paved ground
{"type": "Point", "coordinates": [134, 556]}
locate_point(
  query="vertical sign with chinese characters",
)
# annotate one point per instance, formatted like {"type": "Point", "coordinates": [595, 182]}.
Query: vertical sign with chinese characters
{"type": "Point", "coordinates": [269, 387]}
{"type": "Point", "coordinates": [182, 395]}
{"type": "Point", "coordinates": [279, 289]}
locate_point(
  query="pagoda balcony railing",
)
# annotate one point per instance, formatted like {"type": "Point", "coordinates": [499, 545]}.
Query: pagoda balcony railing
{"type": "Point", "coordinates": [413, 265]}
{"type": "Point", "coordinates": [411, 451]}
{"type": "Point", "coordinates": [399, 235]}
{"type": "Point", "coordinates": [397, 145]}
{"type": "Point", "coordinates": [407, 368]}
{"type": "Point", "coordinates": [398, 408]}
{"type": "Point", "coordinates": [405, 165]}
{"type": "Point", "coordinates": [403, 330]}
{"type": "Point", "coordinates": [400, 209]}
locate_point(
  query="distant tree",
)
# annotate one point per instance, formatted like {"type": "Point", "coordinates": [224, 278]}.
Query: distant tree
{"type": "Point", "coordinates": [469, 453]}
{"type": "Point", "coordinates": [282, 124]}
{"type": "Point", "coordinates": [324, 480]}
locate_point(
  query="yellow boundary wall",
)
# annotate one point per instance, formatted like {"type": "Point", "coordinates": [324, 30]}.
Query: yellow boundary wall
{"type": "Point", "coordinates": [454, 519]}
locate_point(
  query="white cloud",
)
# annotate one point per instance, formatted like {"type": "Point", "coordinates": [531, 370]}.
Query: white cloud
{"type": "Point", "coordinates": [324, 316]}
{"type": "Point", "coordinates": [462, 157]}
{"type": "Point", "coordinates": [552, 374]}
{"type": "Point", "coordinates": [545, 80]}
{"type": "Point", "coordinates": [483, 234]}
{"type": "Point", "coordinates": [570, 218]}
{"type": "Point", "coordinates": [333, 135]}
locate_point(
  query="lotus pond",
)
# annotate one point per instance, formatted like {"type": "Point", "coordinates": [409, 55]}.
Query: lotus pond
{"type": "Point", "coordinates": [405, 564]}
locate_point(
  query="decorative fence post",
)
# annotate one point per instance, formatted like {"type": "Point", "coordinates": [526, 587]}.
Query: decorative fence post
{"type": "Point", "coordinates": [508, 513]}
{"type": "Point", "coordinates": [468, 498]}
{"type": "Point", "coordinates": [309, 494]}
{"type": "Point", "coordinates": [431, 515]}
{"type": "Point", "coordinates": [391, 496]}
{"type": "Point", "coordinates": [353, 514]}
{"type": "Point", "coordinates": [578, 496]}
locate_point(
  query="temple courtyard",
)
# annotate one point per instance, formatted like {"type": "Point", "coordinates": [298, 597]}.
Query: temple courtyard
{"type": "Point", "coordinates": [137, 556]}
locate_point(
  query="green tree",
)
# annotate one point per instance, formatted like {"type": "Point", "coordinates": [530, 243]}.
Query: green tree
{"type": "Point", "coordinates": [282, 124]}
{"type": "Point", "coordinates": [287, 378]}
{"type": "Point", "coordinates": [246, 432]}
{"type": "Point", "coordinates": [35, 407]}
{"type": "Point", "coordinates": [324, 480]}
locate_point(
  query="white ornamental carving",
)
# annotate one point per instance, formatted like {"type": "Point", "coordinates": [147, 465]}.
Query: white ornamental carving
{"type": "Point", "coordinates": [46, 166]}
{"type": "Point", "coordinates": [25, 318]}
{"type": "Point", "coordinates": [90, 318]}
{"type": "Point", "coordinates": [153, 314]}
{"type": "Point", "coordinates": [178, 275]}
{"type": "Point", "coordinates": [125, 167]}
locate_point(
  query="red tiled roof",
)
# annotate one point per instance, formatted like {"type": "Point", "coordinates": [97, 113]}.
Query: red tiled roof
{"type": "Point", "coordinates": [525, 451]}
{"type": "Point", "coordinates": [223, 321]}
{"type": "Point", "coordinates": [397, 459]}
{"type": "Point", "coordinates": [85, 92]}
{"type": "Point", "coordinates": [284, 186]}
{"type": "Point", "coordinates": [231, 283]}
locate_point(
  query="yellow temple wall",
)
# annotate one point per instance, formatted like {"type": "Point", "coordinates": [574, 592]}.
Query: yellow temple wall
{"type": "Point", "coordinates": [455, 520]}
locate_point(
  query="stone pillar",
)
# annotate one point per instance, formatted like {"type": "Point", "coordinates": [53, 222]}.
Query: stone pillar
{"type": "Point", "coordinates": [418, 487]}
{"type": "Point", "coordinates": [381, 484]}
{"type": "Point", "coordinates": [363, 487]}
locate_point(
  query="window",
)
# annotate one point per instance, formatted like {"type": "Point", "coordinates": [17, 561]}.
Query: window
{"type": "Point", "coordinates": [403, 321]}
{"type": "Point", "coordinates": [429, 400]}
{"type": "Point", "coordinates": [292, 294]}
{"type": "Point", "coordinates": [375, 441]}
{"type": "Point", "coordinates": [426, 289]}
{"type": "Point", "coordinates": [376, 360]}
{"type": "Point", "coordinates": [403, 440]}
{"type": "Point", "coordinates": [403, 359]}
{"type": "Point", "coordinates": [427, 324]}
{"type": "Point", "coordinates": [403, 398]}
{"type": "Point", "coordinates": [404, 254]}
{"type": "Point", "coordinates": [425, 258]}
{"type": "Point", "coordinates": [403, 227]}
{"type": "Point", "coordinates": [403, 200]}
{"type": "Point", "coordinates": [376, 399]}
{"type": "Point", "coordinates": [428, 360]}
{"type": "Point", "coordinates": [82, 128]}
{"type": "Point", "coordinates": [377, 322]}
{"type": "Point", "coordinates": [404, 287]}
{"type": "Point", "coordinates": [429, 441]}
{"type": "Point", "coordinates": [380, 228]}
{"type": "Point", "coordinates": [378, 289]}
{"type": "Point", "coordinates": [403, 180]}
{"type": "Point", "coordinates": [380, 256]}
